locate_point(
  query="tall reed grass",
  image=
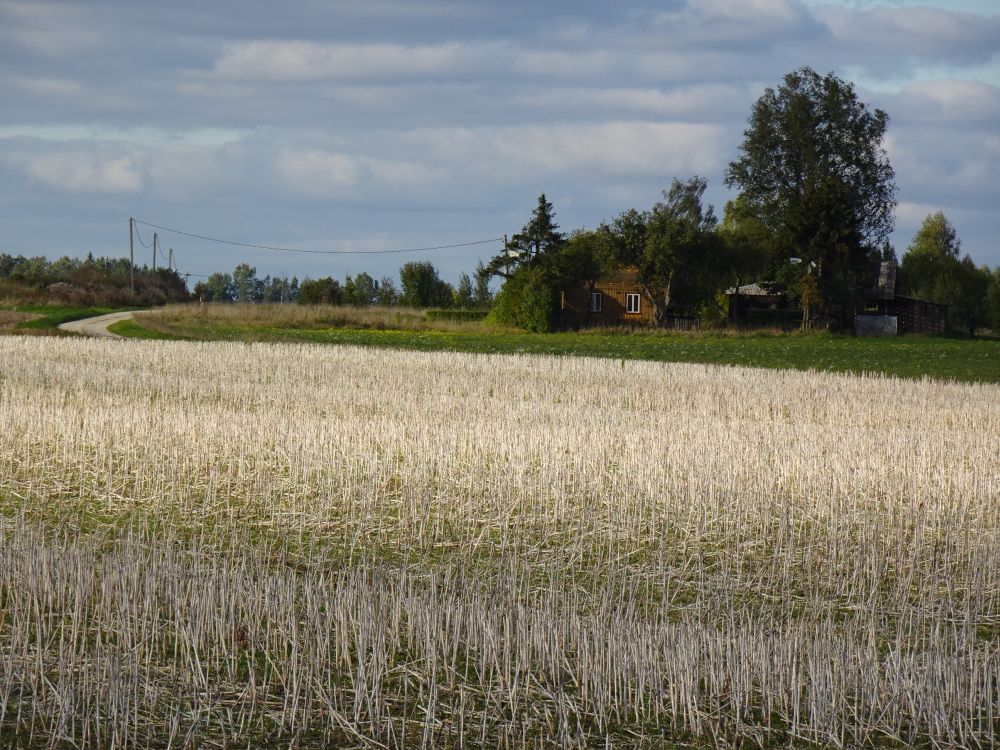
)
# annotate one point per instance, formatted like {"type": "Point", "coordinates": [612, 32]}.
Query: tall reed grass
{"type": "Point", "coordinates": [178, 318]}
{"type": "Point", "coordinates": [229, 545]}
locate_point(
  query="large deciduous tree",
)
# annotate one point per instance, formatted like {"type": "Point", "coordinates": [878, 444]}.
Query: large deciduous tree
{"type": "Point", "coordinates": [422, 287]}
{"type": "Point", "coordinates": [673, 246]}
{"type": "Point", "coordinates": [325, 291]}
{"type": "Point", "coordinates": [386, 295]}
{"type": "Point", "coordinates": [217, 288]}
{"type": "Point", "coordinates": [247, 287]}
{"type": "Point", "coordinates": [360, 290]}
{"type": "Point", "coordinates": [813, 168]}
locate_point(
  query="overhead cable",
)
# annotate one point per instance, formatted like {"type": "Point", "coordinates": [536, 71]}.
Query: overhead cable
{"type": "Point", "coordinates": [134, 222]}
{"type": "Point", "coordinates": [316, 252]}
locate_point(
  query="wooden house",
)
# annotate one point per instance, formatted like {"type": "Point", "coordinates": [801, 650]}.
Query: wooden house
{"type": "Point", "coordinates": [616, 299]}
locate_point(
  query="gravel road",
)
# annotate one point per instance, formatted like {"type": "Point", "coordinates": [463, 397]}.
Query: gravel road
{"type": "Point", "coordinates": [96, 326]}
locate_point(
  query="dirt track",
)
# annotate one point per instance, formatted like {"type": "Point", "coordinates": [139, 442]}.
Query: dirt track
{"type": "Point", "coordinates": [96, 326]}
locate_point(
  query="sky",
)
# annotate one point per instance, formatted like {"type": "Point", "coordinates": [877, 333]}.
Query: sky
{"type": "Point", "coordinates": [360, 125]}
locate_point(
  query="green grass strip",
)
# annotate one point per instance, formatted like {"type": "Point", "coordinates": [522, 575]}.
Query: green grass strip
{"type": "Point", "coordinates": [911, 356]}
{"type": "Point", "coordinates": [131, 330]}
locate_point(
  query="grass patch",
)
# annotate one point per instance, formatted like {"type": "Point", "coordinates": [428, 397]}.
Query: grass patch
{"type": "Point", "coordinates": [52, 316]}
{"type": "Point", "coordinates": [131, 330]}
{"type": "Point", "coordinates": [911, 356]}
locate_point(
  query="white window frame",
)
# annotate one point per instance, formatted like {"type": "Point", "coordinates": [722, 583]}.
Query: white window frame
{"type": "Point", "coordinates": [629, 298]}
{"type": "Point", "coordinates": [596, 301]}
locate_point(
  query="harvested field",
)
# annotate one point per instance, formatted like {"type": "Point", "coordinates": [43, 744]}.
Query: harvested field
{"type": "Point", "coordinates": [219, 544]}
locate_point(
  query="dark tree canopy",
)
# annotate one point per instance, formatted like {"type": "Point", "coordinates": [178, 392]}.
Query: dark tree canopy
{"type": "Point", "coordinates": [529, 246]}
{"type": "Point", "coordinates": [360, 290]}
{"type": "Point", "coordinates": [325, 291]}
{"type": "Point", "coordinates": [541, 233]}
{"type": "Point", "coordinates": [813, 168]}
{"type": "Point", "coordinates": [672, 246]}
{"type": "Point", "coordinates": [420, 286]}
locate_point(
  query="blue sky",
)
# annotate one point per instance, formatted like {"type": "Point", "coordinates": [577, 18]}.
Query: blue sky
{"type": "Point", "coordinates": [388, 124]}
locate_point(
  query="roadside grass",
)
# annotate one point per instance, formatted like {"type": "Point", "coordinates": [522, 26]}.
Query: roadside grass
{"type": "Point", "coordinates": [911, 356]}
{"type": "Point", "coordinates": [50, 317]}
{"type": "Point", "coordinates": [131, 330]}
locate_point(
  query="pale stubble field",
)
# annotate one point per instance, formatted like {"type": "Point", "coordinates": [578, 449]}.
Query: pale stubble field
{"type": "Point", "coordinates": [301, 546]}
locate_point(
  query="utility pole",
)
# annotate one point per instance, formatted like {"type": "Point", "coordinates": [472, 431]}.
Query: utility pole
{"type": "Point", "coordinates": [131, 258]}
{"type": "Point", "coordinates": [506, 256]}
{"type": "Point", "coordinates": [154, 252]}
{"type": "Point", "coordinates": [170, 259]}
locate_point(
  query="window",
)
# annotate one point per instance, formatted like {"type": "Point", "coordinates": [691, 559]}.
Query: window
{"type": "Point", "coordinates": [595, 301]}
{"type": "Point", "coordinates": [632, 303]}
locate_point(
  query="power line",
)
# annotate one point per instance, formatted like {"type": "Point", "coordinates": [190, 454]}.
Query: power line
{"type": "Point", "coordinates": [316, 252]}
{"type": "Point", "coordinates": [134, 222]}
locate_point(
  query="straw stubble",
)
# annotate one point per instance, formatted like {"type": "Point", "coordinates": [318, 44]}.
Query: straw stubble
{"type": "Point", "coordinates": [228, 544]}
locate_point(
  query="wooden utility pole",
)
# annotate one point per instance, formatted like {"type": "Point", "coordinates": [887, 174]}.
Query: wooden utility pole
{"type": "Point", "coordinates": [154, 252]}
{"type": "Point", "coordinates": [506, 257]}
{"type": "Point", "coordinates": [131, 258]}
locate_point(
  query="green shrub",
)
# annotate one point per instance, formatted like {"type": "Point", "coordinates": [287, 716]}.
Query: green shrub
{"type": "Point", "coordinates": [526, 300]}
{"type": "Point", "coordinates": [457, 315]}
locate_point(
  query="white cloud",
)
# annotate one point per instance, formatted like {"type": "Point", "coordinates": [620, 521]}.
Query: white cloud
{"type": "Point", "coordinates": [324, 174]}
{"type": "Point", "coordinates": [181, 171]}
{"type": "Point", "coordinates": [272, 60]}
{"type": "Point", "coordinates": [708, 102]}
{"type": "Point", "coordinates": [916, 33]}
{"type": "Point", "coordinates": [957, 103]}
{"type": "Point", "coordinates": [760, 22]}
{"type": "Point", "coordinates": [405, 174]}
{"type": "Point", "coordinates": [57, 87]}
{"type": "Point", "coordinates": [78, 171]}
{"type": "Point", "coordinates": [579, 64]}
{"type": "Point", "coordinates": [49, 29]}
{"type": "Point", "coordinates": [318, 172]}
{"type": "Point", "coordinates": [618, 149]}
{"type": "Point", "coordinates": [912, 214]}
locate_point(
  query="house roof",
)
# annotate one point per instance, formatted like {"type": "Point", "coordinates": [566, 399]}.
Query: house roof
{"type": "Point", "coordinates": [751, 290]}
{"type": "Point", "coordinates": [625, 275]}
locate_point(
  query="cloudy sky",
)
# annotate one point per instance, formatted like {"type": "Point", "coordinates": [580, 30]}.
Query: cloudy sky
{"type": "Point", "coordinates": [392, 124]}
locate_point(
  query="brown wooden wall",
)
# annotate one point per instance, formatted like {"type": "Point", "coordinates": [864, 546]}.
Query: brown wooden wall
{"type": "Point", "coordinates": [574, 304]}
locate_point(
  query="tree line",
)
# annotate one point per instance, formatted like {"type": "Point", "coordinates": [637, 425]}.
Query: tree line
{"type": "Point", "coordinates": [419, 285]}
{"type": "Point", "coordinates": [813, 216]}
{"type": "Point", "coordinates": [87, 281]}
